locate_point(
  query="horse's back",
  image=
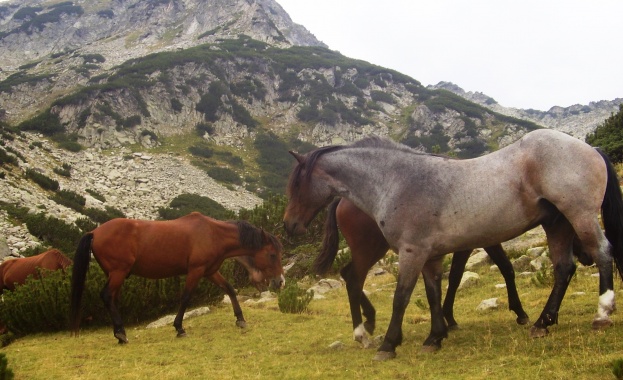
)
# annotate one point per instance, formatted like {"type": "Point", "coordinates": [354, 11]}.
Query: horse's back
{"type": "Point", "coordinates": [153, 249]}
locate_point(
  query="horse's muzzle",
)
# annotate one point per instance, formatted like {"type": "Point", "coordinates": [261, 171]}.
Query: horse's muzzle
{"type": "Point", "coordinates": [278, 282]}
{"type": "Point", "coordinates": [294, 228]}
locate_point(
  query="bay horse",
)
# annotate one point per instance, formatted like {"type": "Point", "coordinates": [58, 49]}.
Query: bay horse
{"type": "Point", "coordinates": [368, 245]}
{"type": "Point", "coordinates": [428, 206]}
{"type": "Point", "coordinates": [193, 245]}
{"type": "Point", "coordinates": [16, 271]}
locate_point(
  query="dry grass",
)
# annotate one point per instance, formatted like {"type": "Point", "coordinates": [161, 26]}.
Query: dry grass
{"type": "Point", "coordinates": [287, 346]}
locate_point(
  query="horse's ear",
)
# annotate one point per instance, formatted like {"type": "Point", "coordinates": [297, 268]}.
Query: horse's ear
{"type": "Point", "coordinates": [265, 237]}
{"type": "Point", "coordinates": [298, 157]}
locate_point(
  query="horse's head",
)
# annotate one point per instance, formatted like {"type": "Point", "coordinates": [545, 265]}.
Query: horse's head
{"type": "Point", "coordinates": [265, 266]}
{"type": "Point", "coordinates": [309, 191]}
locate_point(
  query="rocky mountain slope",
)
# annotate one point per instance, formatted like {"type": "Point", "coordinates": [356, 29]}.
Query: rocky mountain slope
{"type": "Point", "coordinates": [238, 77]}
{"type": "Point", "coordinates": [577, 120]}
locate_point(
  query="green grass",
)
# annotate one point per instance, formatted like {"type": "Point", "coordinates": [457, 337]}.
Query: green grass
{"type": "Point", "coordinates": [295, 346]}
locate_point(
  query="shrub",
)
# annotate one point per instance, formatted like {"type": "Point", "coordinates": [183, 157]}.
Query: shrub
{"type": "Point", "coordinates": [6, 158]}
{"type": "Point", "coordinates": [69, 199]}
{"type": "Point", "coordinates": [42, 180]}
{"type": "Point", "coordinates": [95, 194]}
{"type": "Point", "coordinates": [65, 170]}
{"type": "Point", "coordinates": [293, 299]}
{"type": "Point", "coordinates": [617, 368]}
{"type": "Point", "coordinates": [224, 175]}
{"type": "Point", "coordinates": [184, 204]}
{"type": "Point", "coordinates": [5, 372]}
{"type": "Point", "coordinates": [201, 150]}
{"type": "Point", "coordinates": [203, 128]}
{"type": "Point", "coordinates": [41, 304]}
{"type": "Point", "coordinates": [176, 105]}
{"type": "Point", "coordinates": [103, 216]}
{"type": "Point", "coordinates": [609, 136]}
{"type": "Point", "coordinates": [53, 232]}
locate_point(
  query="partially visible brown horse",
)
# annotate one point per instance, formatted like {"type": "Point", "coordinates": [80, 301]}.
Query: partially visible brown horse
{"type": "Point", "coordinates": [368, 245]}
{"type": "Point", "coordinates": [14, 272]}
{"type": "Point", "coordinates": [193, 245]}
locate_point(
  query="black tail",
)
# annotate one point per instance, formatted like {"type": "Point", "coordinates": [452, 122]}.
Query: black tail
{"type": "Point", "coordinates": [78, 279]}
{"type": "Point", "coordinates": [612, 214]}
{"type": "Point", "coordinates": [330, 243]}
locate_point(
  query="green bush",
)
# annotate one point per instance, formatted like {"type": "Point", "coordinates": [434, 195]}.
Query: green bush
{"type": "Point", "coordinates": [6, 158]}
{"type": "Point", "coordinates": [5, 372]}
{"type": "Point", "coordinates": [103, 216]}
{"type": "Point", "coordinates": [42, 180]}
{"type": "Point", "coordinates": [65, 170]}
{"type": "Point", "coordinates": [53, 232]}
{"type": "Point", "coordinates": [617, 368]}
{"type": "Point", "coordinates": [41, 305]}
{"type": "Point", "coordinates": [184, 204]}
{"type": "Point", "coordinates": [201, 150]}
{"type": "Point", "coordinates": [224, 175]}
{"type": "Point", "coordinates": [293, 299]}
{"type": "Point", "coordinates": [69, 199]}
{"type": "Point", "coordinates": [609, 136]}
{"type": "Point", "coordinates": [97, 195]}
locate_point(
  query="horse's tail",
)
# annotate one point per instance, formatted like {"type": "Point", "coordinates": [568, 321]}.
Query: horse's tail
{"type": "Point", "coordinates": [612, 213]}
{"type": "Point", "coordinates": [330, 242]}
{"type": "Point", "coordinates": [78, 279]}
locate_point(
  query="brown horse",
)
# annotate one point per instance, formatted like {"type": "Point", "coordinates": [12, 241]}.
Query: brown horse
{"type": "Point", "coordinates": [368, 245]}
{"type": "Point", "coordinates": [193, 245]}
{"type": "Point", "coordinates": [14, 272]}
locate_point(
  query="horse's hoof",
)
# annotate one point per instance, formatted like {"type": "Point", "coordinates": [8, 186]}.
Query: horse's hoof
{"type": "Point", "coordinates": [431, 348]}
{"type": "Point", "coordinates": [453, 327]}
{"type": "Point", "coordinates": [181, 334]}
{"type": "Point", "coordinates": [538, 332]}
{"type": "Point", "coordinates": [122, 338]}
{"type": "Point", "coordinates": [523, 320]}
{"type": "Point", "coordinates": [382, 356]}
{"type": "Point", "coordinates": [241, 324]}
{"type": "Point", "coordinates": [601, 324]}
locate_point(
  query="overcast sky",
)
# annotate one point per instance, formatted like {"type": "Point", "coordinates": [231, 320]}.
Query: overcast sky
{"type": "Point", "coordinates": [524, 54]}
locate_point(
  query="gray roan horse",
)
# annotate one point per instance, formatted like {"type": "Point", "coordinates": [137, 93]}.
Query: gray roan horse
{"type": "Point", "coordinates": [428, 206]}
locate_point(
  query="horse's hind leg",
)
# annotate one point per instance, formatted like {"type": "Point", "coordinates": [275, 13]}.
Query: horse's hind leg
{"type": "Point", "coordinates": [560, 241]}
{"type": "Point", "coordinates": [220, 281]}
{"type": "Point", "coordinates": [432, 272]}
{"type": "Point", "coordinates": [459, 260]}
{"type": "Point", "coordinates": [110, 294]}
{"type": "Point", "coordinates": [500, 259]}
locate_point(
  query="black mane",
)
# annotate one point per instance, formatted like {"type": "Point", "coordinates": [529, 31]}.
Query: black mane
{"type": "Point", "coordinates": [252, 237]}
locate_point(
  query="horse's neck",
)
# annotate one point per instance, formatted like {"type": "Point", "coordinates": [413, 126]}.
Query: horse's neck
{"type": "Point", "coordinates": [361, 178]}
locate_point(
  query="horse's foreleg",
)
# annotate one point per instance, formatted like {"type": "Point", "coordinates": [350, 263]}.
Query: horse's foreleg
{"type": "Point", "coordinates": [560, 241]}
{"type": "Point", "coordinates": [410, 266]}
{"type": "Point", "coordinates": [220, 281]}
{"type": "Point", "coordinates": [432, 272]}
{"type": "Point", "coordinates": [192, 279]}
{"type": "Point", "coordinates": [109, 295]}
{"type": "Point", "coordinates": [498, 255]}
{"type": "Point", "coordinates": [459, 260]}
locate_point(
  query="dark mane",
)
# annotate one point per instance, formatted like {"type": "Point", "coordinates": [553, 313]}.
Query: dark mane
{"type": "Point", "coordinates": [310, 162]}
{"type": "Point", "coordinates": [252, 237]}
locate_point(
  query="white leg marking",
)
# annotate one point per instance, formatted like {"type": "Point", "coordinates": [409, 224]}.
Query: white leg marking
{"type": "Point", "coordinates": [361, 335]}
{"type": "Point", "coordinates": [606, 305]}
